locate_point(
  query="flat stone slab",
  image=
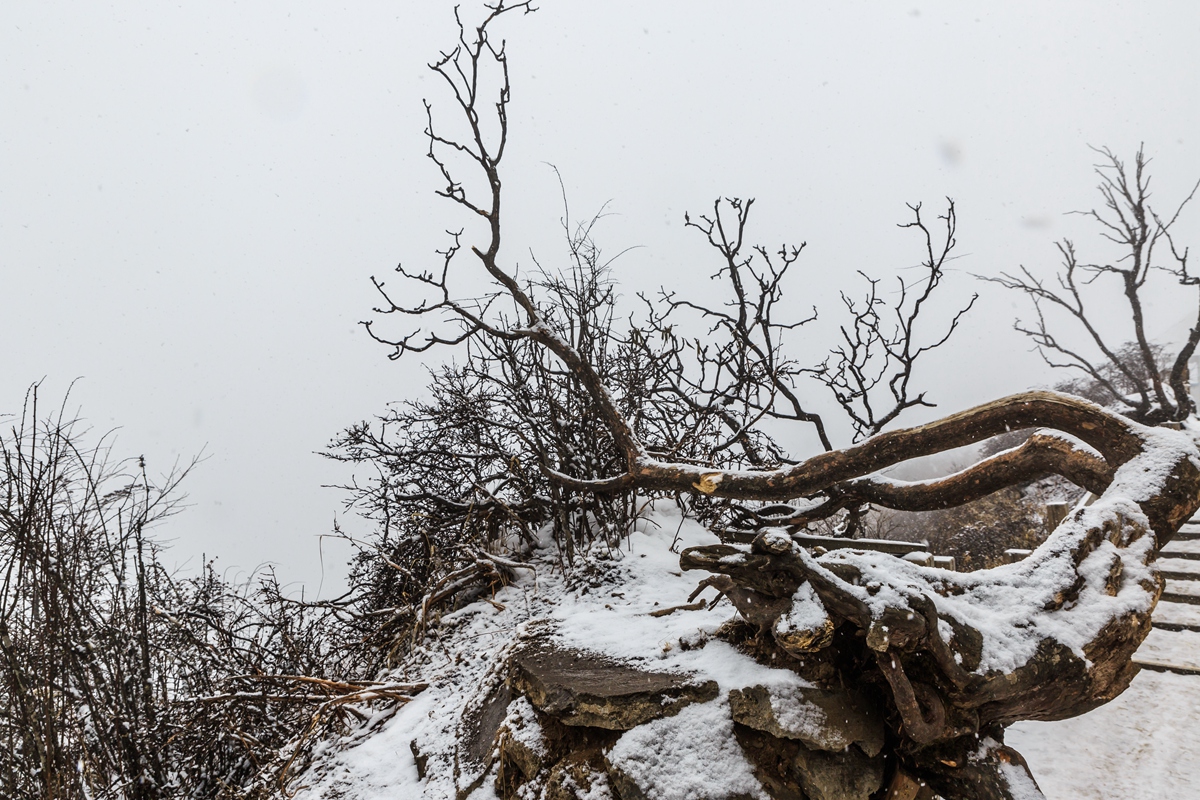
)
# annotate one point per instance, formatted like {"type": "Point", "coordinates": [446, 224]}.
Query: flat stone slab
{"type": "Point", "coordinates": [1174, 648]}
{"type": "Point", "coordinates": [1177, 591]}
{"type": "Point", "coordinates": [838, 776]}
{"type": "Point", "coordinates": [580, 688]}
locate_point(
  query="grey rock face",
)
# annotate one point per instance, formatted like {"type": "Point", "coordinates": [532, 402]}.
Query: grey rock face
{"type": "Point", "coordinates": [567, 712]}
{"type": "Point", "coordinates": [849, 775]}
{"type": "Point", "coordinates": [584, 689]}
{"type": "Point", "coordinates": [820, 718]}
{"type": "Point", "coordinates": [479, 726]}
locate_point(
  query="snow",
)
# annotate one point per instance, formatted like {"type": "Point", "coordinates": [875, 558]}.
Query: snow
{"type": "Point", "coordinates": [1143, 476]}
{"type": "Point", "coordinates": [806, 720]}
{"type": "Point", "coordinates": [1177, 613]}
{"type": "Point", "coordinates": [690, 756]}
{"type": "Point", "coordinates": [1187, 588]}
{"type": "Point", "coordinates": [606, 612]}
{"type": "Point", "coordinates": [382, 766]}
{"type": "Point", "coordinates": [617, 621]}
{"type": "Point", "coordinates": [523, 722]}
{"type": "Point", "coordinates": [806, 614]}
{"type": "Point", "coordinates": [1182, 546]}
{"type": "Point", "coordinates": [1180, 565]}
{"type": "Point", "coordinates": [1075, 442]}
{"type": "Point", "coordinates": [1144, 745]}
{"type": "Point", "coordinates": [1019, 784]}
{"type": "Point", "coordinates": [1006, 604]}
{"type": "Point", "coordinates": [598, 790]}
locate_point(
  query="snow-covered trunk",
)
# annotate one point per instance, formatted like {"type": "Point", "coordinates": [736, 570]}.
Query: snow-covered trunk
{"type": "Point", "coordinates": [955, 658]}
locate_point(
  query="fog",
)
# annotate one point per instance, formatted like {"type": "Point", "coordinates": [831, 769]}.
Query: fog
{"type": "Point", "coordinates": [193, 198]}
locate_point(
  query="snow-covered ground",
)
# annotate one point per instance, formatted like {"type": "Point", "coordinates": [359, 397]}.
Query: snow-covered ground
{"type": "Point", "coordinates": [1145, 744]}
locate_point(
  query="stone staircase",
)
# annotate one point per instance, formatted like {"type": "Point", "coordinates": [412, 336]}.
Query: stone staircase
{"type": "Point", "coordinates": [1174, 642]}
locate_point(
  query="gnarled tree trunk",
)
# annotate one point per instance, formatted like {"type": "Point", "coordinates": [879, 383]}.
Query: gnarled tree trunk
{"type": "Point", "coordinates": [958, 657]}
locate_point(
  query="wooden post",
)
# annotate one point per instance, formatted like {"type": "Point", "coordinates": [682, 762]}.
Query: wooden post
{"type": "Point", "coordinates": [1056, 512]}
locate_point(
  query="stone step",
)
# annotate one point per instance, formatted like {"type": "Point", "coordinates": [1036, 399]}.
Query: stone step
{"type": "Point", "coordinates": [831, 542]}
{"type": "Point", "coordinates": [1179, 554]}
{"type": "Point", "coordinates": [1177, 546]}
{"type": "Point", "coordinates": [1163, 666]}
{"type": "Point", "coordinates": [878, 545]}
{"type": "Point", "coordinates": [1171, 651]}
{"type": "Point", "coordinates": [1179, 575]}
{"type": "Point", "coordinates": [1177, 614]}
{"type": "Point", "coordinates": [1174, 641]}
{"type": "Point", "coordinates": [1176, 626]}
{"type": "Point", "coordinates": [1178, 564]}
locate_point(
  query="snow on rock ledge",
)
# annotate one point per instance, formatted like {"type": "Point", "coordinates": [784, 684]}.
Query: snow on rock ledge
{"type": "Point", "coordinates": [573, 690]}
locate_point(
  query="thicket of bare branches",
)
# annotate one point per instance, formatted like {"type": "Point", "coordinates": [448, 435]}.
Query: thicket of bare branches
{"type": "Point", "coordinates": [553, 391]}
{"type": "Point", "coordinates": [80, 699]}
{"type": "Point", "coordinates": [121, 680]}
{"type": "Point", "coordinates": [1133, 374]}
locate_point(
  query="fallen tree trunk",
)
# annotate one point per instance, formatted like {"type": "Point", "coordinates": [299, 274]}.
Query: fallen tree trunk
{"type": "Point", "coordinates": [959, 657]}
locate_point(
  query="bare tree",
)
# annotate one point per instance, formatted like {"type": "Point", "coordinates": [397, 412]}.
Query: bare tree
{"type": "Point", "coordinates": [876, 353]}
{"type": "Point", "coordinates": [951, 659]}
{"type": "Point", "coordinates": [741, 373]}
{"type": "Point", "coordinates": [477, 469]}
{"type": "Point", "coordinates": [1132, 374]}
{"type": "Point", "coordinates": [681, 396]}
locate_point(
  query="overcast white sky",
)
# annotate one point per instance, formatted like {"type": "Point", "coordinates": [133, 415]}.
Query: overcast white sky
{"type": "Point", "coordinates": [193, 196]}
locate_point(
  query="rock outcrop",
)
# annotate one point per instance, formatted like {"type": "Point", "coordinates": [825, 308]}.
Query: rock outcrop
{"type": "Point", "coordinates": [564, 724]}
{"type": "Point", "coordinates": [584, 689]}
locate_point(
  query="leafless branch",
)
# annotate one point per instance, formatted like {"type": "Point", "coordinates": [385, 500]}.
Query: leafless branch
{"type": "Point", "coordinates": [1131, 375]}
